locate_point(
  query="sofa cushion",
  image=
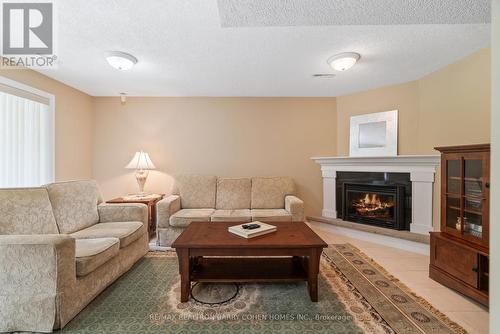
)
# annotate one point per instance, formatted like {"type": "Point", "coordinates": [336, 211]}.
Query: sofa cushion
{"type": "Point", "coordinates": [233, 194]}
{"type": "Point", "coordinates": [74, 204]}
{"type": "Point", "coordinates": [184, 217]}
{"type": "Point", "coordinates": [26, 211]}
{"type": "Point", "coordinates": [92, 253]}
{"type": "Point", "coordinates": [271, 215]}
{"type": "Point", "coordinates": [270, 192]}
{"type": "Point", "coordinates": [127, 232]}
{"type": "Point", "coordinates": [241, 215]}
{"type": "Point", "coordinates": [196, 191]}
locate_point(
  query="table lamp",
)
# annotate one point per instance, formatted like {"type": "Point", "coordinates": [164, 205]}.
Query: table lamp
{"type": "Point", "coordinates": [142, 164]}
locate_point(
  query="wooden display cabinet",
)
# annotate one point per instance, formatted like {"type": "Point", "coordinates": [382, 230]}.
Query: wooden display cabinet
{"type": "Point", "coordinates": [460, 252]}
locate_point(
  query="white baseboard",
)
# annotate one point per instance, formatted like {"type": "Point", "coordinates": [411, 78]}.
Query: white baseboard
{"type": "Point", "coordinates": [329, 213]}
{"type": "Point", "coordinates": [406, 245]}
{"type": "Point", "coordinates": [420, 229]}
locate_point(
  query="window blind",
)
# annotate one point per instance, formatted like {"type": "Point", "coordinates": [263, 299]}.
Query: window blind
{"type": "Point", "coordinates": [26, 139]}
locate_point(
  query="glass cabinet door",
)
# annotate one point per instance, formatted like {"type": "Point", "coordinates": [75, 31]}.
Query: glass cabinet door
{"type": "Point", "coordinates": [473, 198]}
{"type": "Point", "coordinates": [453, 195]}
{"type": "Point", "coordinates": [465, 193]}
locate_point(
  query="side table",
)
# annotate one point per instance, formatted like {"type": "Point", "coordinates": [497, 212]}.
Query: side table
{"type": "Point", "coordinates": [149, 200]}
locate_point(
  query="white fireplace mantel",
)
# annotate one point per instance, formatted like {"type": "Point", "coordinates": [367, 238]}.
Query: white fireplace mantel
{"type": "Point", "coordinates": [422, 169]}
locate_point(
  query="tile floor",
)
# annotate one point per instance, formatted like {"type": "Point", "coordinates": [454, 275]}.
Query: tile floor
{"type": "Point", "coordinates": [412, 269]}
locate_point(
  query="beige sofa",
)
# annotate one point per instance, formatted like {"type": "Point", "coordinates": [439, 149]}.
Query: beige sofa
{"type": "Point", "coordinates": [211, 198]}
{"type": "Point", "coordinates": [60, 246]}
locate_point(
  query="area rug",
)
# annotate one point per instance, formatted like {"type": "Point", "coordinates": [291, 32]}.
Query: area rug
{"type": "Point", "coordinates": [355, 296]}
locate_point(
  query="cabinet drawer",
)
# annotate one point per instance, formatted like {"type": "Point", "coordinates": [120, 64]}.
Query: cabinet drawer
{"type": "Point", "coordinates": [456, 260]}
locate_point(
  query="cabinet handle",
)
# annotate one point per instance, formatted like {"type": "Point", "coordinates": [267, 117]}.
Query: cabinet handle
{"type": "Point", "coordinates": [487, 185]}
{"type": "Point", "coordinates": [474, 270]}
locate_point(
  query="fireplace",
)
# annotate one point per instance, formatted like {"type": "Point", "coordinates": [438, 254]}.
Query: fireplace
{"type": "Point", "coordinates": [375, 198]}
{"type": "Point", "coordinates": [379, 205]}
{"type": "Point", "coordinates": [415, 172]}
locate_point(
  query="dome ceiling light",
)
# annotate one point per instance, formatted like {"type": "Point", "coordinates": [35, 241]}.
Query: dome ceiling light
{"type": "Point", "coordinates": [343, 61]}
{"type": "Point", "coordinates": [120, 60]}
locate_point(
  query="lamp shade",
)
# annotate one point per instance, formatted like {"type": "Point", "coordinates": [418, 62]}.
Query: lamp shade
{"type": "Point", "coordinates": [140, 160]}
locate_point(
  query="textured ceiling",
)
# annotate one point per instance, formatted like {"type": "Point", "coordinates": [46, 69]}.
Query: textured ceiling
{"type": "Point", "coordinates": [184, 49]}
{"type": "Point", "coordinates": [256, 13]}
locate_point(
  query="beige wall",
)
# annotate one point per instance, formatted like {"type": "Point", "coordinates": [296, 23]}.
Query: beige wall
{"type": "Point", "coordinates": [455, 104]}
{"type": "Point", "coordinates": [218, 136]}
{"type": "Point", "coordinates": [96, 136]}
{"type": "Point", "coordinates": [402, 97]}
{"type": "Point", "coordinates": [277, 136]}
{"type": "Point", "coordinates": [448, 107]}
{"type": "Point", "coordinates": [74, 122]}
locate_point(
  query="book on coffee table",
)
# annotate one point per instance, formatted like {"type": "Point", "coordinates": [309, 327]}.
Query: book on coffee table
{"type": "Point", "coordinates": [250, 233]}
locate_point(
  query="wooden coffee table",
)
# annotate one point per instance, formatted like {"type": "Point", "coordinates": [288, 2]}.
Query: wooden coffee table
{"type": "Point", "coordinates": [207, 252]}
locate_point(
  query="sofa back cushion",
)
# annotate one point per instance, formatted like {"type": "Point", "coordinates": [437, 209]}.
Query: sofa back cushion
{"type": "Point", "coordinates": [26, 211]}
{"type": "Point", "coordinates": [74, 204]}
{"type": "Point", "coordinates": [233, 194]}
{"type": "Point", "coordinates": [270, 192]}
{"type": "Point", "coordinates": [196, 191]}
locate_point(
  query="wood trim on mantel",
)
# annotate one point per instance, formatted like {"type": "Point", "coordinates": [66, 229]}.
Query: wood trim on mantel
{"type": "Point", "coordinates": [464, 148]}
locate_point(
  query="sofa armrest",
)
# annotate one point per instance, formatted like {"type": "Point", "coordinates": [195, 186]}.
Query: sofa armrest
{"type": "Point", "coordinates": [123, 212]}
{"type": "Point", "coordinates": [165, 208]}
{"type": "Point", "coordinates": [295, 206]}
{"type": "Point", "coordinates": [35, 271]}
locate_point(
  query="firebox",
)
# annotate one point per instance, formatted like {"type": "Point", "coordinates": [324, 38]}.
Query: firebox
{"type": "Point", "coordinates": [379, 205]}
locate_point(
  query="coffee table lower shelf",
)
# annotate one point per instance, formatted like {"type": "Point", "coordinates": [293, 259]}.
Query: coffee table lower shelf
{"type": "Point", "coordinates": [249, 270]}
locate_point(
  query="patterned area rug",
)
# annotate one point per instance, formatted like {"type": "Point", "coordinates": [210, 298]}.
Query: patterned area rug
{"type": "Point", "coordinates": [355, 296]}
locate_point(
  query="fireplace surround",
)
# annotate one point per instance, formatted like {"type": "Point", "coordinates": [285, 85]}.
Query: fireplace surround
{"type": "Point", "coordinates": [421, 168]}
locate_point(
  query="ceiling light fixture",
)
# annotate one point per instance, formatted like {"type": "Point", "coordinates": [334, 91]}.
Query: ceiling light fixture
{"type": "Point", "coordinates": [120, 60]}
{"type": "Point", "coordinates": [343, 61]}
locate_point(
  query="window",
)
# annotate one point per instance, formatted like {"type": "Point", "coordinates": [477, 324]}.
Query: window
{"type": "Point", "coordinates": [26, 135]}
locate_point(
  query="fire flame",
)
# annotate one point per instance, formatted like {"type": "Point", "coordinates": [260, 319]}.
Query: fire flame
{"type": "Point", "coordinates": [371, 199]}
{"type": "Point", "coordinates": [371, 203]}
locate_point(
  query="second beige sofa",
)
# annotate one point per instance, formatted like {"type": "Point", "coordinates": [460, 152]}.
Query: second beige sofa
{"type": "Point", "coordinates": [60, 246]}
{"type": "Point", "coordinates": [215, 199]}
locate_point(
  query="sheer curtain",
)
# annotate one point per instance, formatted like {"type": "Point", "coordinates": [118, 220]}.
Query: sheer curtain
{"type": "Point", "coordinates": [26, 139]}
